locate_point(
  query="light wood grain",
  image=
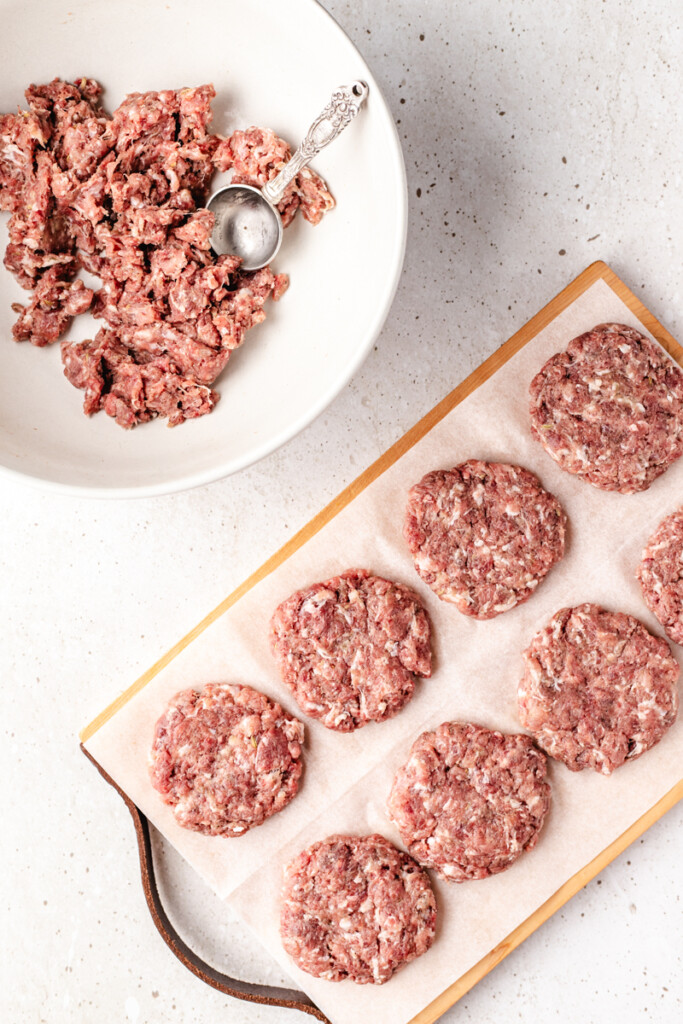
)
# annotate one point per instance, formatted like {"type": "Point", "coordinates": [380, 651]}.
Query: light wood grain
{"type": "Point", "coordinates": [593, 273]}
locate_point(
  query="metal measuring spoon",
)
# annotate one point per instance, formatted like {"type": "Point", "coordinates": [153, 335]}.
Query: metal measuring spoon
{"type": "Point", "coordinates": [247, 222]}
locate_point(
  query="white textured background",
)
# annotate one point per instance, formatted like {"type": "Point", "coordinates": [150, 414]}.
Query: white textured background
{"type": "Point", "coordinates": [538, 137]}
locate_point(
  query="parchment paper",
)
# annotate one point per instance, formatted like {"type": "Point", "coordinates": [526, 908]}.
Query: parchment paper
{"type": "Point", "coordinates": [476, 670]}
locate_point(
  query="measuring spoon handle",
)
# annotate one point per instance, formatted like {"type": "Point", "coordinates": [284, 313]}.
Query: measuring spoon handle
{"type": "Point", "coordinates": [340, 111]}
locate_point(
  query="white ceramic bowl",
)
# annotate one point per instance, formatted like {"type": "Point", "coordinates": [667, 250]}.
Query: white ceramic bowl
{"type": "Point", "coordinates": [272, 64]}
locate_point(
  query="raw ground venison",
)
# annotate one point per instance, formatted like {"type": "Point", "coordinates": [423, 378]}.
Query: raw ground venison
{"type": "Point", "coordinates": [610, 409]}
{"type": "Point", "coordinates": [483, 535]}
{"type": "Point", "coordinates": [349, 648]}
{"type": "Point", "coordinates": [469, 801]}
{"type": "Point", "coordinates": [356, 907]}
{"type": "Point", "coordinates": [598, 689]}
{"type": "Point", "coordinates": [122, 198]}
{"type": "Point", "coordinates": [225, 758]}
{"type": "Point", "coordinates": [660, 575]}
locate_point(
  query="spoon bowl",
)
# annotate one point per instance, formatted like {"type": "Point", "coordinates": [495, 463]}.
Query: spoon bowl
{"type": "Point", "coordinates": [246, 224]}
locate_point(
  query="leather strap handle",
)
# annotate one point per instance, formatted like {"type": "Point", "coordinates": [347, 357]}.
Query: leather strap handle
{"type": "Point", "coordinates": [268, 994]}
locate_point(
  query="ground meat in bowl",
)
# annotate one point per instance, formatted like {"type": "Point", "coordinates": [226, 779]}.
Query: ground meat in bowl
{"type": "Point", "coordinates": [122, 198]}
{"type": "Point", "coordinates": [610, 409]}
{"type": "Point", "coordinates": [356, 907]}
{"type": "Point", "coordinates": [469, 801]}
{"type": "Point", "coordinates": [349, 648]}
{"type": "Point", "coordinates": [598, 689]}
{"type": "Point", "coordinates": [225, 758]}
{"type": "Point", "coordinates": [483, 535]}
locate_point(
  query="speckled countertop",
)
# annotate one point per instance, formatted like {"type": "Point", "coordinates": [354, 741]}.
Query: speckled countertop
{"type": "Point", "coordinates": [537, 137]}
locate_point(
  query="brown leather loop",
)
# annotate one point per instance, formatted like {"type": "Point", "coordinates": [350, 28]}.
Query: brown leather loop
{"type": "Point", "coordinates": [267, 994]}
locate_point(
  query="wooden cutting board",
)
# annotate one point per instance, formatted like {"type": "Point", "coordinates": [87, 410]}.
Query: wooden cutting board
{"type": "Point", "coordinates": [597, 271]}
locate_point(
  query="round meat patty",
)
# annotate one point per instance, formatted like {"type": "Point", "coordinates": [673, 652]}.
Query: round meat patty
{"type": "Point", "coordinates": [225, 758]}
{"type": "Point", "coordinates": [469, 801]}
{"type": "Point", "coordinates": [348, 648]}
{"type": "Point", "coordinates": [597, 689]}
{"type": "Point", "coordinates": [356, 907]}
{"type": "Point", "coordinates": [660, 575]}
{"type": "Point", "coordinates": [610, 409]}
{"type": "Point", "coordinates": [483, 535]}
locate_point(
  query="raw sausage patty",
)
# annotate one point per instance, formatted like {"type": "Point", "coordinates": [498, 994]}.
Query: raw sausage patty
{"type": "Point", "coordinates": [483, 535]}
{"type": "Point", "coordinates": [356, 907]}
{"type": "Point", "coordinates": [597, 689]}
{"type": "Point", "coordinates": [610, 409]}
{"type": "Point", "coordinates": [469, 801]}
{"type": "Point", "coordinates": [661, 575]}
{"type": "Point", "coordinates": [225, 758]}
{"type": "Point", "coordinates": [348, 648]}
